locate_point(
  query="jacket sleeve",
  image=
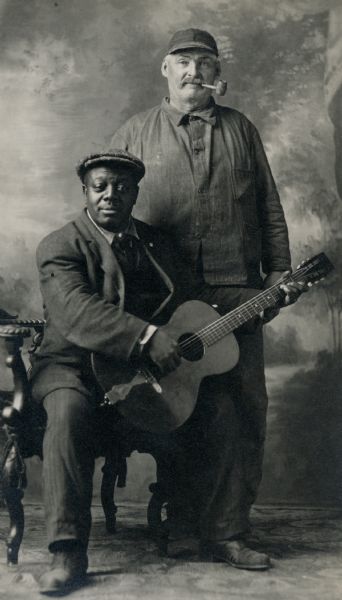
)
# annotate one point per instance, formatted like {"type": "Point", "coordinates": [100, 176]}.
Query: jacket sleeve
{"type": "Point", "coordinates": [79, 313]}
{"type": "Point", "coordinates": [275, 241]}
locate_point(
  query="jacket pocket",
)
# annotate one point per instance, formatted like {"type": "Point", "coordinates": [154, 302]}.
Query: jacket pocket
{"type": "Point", "coordinates": [244, 191]}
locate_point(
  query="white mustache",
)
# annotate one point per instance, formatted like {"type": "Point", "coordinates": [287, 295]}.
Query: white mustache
{"type": "Point", "coordinates": [220, 87]}
{"type": "Point", "coordinates": [195, 80]}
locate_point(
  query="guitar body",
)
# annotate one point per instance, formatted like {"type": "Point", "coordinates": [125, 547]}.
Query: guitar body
{"type": "Point", "coordinates": [208, 347]}
{"type": "Point", "coordinates": [164, 404]}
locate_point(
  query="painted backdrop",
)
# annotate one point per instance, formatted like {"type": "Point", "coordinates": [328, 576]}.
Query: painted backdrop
{"type": "Point", "coordinates": [73, 70]}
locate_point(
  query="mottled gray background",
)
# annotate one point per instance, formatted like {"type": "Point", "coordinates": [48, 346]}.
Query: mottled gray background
{"type": "Point", "coordinates": [73, 70]}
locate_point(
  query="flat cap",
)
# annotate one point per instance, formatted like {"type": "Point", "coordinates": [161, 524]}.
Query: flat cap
{"type": "Point", "coordinates": [192, 38]}
{"type": "Point", "coordinates": [114, 157]}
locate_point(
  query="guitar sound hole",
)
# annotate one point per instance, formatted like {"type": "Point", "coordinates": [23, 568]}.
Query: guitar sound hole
{"type": "Point", "coordinates": [192, 346]}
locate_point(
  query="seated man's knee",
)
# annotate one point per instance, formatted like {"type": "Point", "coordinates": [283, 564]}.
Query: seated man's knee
{"type": "Point", "coordinates": [68, 409]}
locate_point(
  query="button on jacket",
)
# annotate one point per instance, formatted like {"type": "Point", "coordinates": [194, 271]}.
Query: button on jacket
{"type": "Point", "coordinates": [208, 182]}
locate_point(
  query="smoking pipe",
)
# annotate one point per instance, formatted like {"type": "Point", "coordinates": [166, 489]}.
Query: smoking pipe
{"type": "Point", "coordinates": [220, 88]}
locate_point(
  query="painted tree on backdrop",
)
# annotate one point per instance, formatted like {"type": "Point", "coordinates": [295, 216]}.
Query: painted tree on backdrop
{"type": "Point", "coordinates": [308, 414]}
{"type": "Point", "coordinates": [317, 197]}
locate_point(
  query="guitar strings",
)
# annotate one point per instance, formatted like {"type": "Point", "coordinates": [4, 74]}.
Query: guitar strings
{"type": "Point", "coordinates": [218, 325]}
{"type": "Point", "coordinates": [235, 315]}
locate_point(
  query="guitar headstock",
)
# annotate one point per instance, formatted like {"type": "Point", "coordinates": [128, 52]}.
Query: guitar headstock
{"type": "Point", "coordinates": [313, 269]}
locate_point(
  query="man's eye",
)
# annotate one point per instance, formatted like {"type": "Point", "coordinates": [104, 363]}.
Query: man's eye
{"type": "Point", "coordinates": [98, 188]}
{"type": "Point", "coordinates": [121, 187]}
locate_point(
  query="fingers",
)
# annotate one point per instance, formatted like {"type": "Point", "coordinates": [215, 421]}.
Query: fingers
{"type": "Point", "coordinates": [169, 363]}
{"type": "Point", "coordinates": [269, 313]}
{"type": "Point", "coordinates": [286, 273]}
{"type": "Point", "coordinates": [164, 352]}
{"type": "Point", "coordinates": [293, 290]}
{"type": "Point", "coordinates": [310, 283]}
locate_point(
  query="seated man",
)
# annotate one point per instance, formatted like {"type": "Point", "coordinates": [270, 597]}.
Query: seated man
{"type": "Point", "coordinates": [107, 282]}
{"type": "Point", "coordinates": [99, 297]}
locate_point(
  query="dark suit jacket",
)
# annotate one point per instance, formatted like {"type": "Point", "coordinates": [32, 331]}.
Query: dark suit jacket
{"type": "Point", "coordinates": [83, 292]}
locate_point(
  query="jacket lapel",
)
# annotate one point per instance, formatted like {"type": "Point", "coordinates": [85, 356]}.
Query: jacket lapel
{"type": "Point", "coordinates": [113, 282]}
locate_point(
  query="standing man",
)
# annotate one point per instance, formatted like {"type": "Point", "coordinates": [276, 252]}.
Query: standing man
{"type": "Point", "coordinates": [103, 282]}
{"type": "Point", "coordinates": [209, 184]}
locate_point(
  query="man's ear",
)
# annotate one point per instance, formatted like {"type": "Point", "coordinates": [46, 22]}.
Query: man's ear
{"type": "Point", "coordinates": [84, 189]}
{"type": "Point", "coordinates": [218, 69]}
{"type": "Point", "coordinates": [164, 67]}
{"type": "Point", "coordinates": [136, 193]}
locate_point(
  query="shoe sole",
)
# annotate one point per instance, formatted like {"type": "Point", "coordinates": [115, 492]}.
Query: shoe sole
{"type": "Point", "coordinates": [64, 590]}
{"type": "Point", "coordinates": [245, 567]}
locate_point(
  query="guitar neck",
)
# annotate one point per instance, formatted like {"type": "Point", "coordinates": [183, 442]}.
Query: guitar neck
{"type": "Point", "coordinates": [224, 325]}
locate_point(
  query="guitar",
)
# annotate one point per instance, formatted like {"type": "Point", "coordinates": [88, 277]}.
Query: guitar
{"type": "Point", "coordinates": [208, 347]}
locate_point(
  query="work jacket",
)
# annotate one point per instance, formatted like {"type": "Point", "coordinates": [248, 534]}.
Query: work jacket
{"type": "Point", "coordinates": [209, 184]}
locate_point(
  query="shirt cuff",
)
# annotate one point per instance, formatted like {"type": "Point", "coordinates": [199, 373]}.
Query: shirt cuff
{"type": "Point", "coordinates": [146, 335]}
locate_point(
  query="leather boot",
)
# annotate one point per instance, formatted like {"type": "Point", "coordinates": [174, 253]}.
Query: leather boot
{"type": "Point", "coordinates": [67, 571]}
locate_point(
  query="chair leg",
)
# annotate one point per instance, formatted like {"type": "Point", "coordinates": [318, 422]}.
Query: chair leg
{"type": "Point", "coordinates": [12, 468]}
{"type": "Point", "coordinates": [13, 498]}
{"type": "Point", "coordinates": [13, 484]}
{"type": "Point", "coordinates": [110, 472]}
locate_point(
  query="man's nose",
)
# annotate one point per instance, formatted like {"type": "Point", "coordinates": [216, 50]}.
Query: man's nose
{"type": "Point", "coordinates": [193, 68]}
{"type": "Point", "coordinates": [110, 192]}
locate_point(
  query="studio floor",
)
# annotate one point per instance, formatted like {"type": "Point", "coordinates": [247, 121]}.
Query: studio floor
{"type": "Point", "coordinates": [305, 546]}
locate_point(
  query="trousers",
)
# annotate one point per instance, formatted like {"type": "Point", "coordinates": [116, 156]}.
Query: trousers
{"type": "Point", "coordinates": [213, 464]}
{"type": "Point", "coordinates": [217, 469]}
{"type": "Point", "coordinates": [68, 466]}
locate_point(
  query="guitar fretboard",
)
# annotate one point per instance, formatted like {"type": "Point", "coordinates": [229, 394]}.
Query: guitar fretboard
{"type": "Point", "coordinates": [237, 317]}
{"type": "Point", "coordinates": [215, 331]}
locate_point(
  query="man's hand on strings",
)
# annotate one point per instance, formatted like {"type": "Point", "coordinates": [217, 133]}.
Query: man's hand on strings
{"type": "Point", "coordinates": [164, 352]}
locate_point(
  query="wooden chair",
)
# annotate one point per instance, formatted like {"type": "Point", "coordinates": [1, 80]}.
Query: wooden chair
{"type": "Point", "coordinates": [23, 425]}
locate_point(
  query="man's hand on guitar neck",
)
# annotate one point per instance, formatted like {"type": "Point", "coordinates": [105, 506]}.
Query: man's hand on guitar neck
{"type": "Point", "coordinates": [292, 290]}
{"type": "Point", "coordinates": [164, 351]}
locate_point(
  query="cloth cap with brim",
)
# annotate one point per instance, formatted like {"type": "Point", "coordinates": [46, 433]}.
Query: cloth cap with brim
{"type": "Point", "coordinates": [113, 158]}
{"type": "Point", "coordinates": [192, 38]}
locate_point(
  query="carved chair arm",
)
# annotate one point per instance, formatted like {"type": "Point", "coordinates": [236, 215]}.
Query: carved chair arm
{"type": "Point", "coordinates": [13, 331]}
{"type": "Point", "coordinates": [13, 336]}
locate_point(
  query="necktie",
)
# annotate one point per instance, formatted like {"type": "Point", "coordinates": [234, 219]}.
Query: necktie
{"type": "Point", "coordinates": [126, 249]}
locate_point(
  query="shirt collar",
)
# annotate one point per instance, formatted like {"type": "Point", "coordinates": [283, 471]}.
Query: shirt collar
{"type": "Point", "coordinates": [110, 235]}
{"type": "Point", "coordinates": [208, 114]}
